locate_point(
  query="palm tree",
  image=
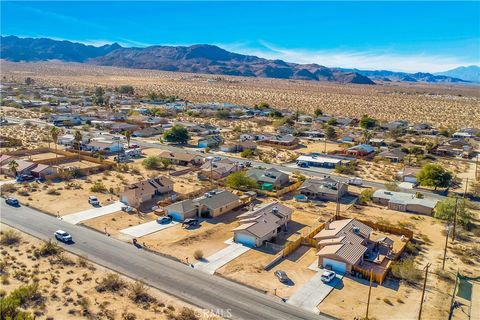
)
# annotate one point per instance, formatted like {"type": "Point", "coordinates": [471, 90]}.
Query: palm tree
{"type": "Point", "coordinates": [13, 166]}
{"type": "Point", "coordinates": [54, 132]}
{"type": "Point", "coordinates": [367, 135]}
{"type": "Point", "coordinates": [77, 137]}
{"type": "Point", "coordinates": [128, 135]}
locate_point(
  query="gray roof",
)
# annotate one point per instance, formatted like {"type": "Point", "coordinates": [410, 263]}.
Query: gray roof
{"type": "Point", "coordinates": [326, 185]}
{"type": "Point", "coordinates": [404, 198]}
{"type": "Point", "coordinates": [181, 206]}
{"type": "Point", "coordinates": [271, 175]}
{"type": "Point", "coordinates": [217, 199]}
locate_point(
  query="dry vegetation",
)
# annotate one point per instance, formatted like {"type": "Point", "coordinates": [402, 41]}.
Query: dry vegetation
{"type": "Point", "coordinates": [53, 284]}
{"type": "Point", "coordinates": [443, 105]}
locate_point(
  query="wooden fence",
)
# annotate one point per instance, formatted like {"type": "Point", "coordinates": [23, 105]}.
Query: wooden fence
{"type": "Point", "coordinates": [280, 192]}
{"type": "Point", "coordinates": [378, 275]}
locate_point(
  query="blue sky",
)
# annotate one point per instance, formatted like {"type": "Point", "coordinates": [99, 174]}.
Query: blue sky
{"type": "Point", "coordinates": [401, 36]}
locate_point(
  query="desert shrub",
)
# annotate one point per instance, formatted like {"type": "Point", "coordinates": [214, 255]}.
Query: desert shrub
{"type": "Point", "coordinates": [63, 259]}
{"type": "Point", "coordinates": [98, 187]}
{"type": "Point", "coordinates": [12, 305]}
{"type": "Point", "coordinates": [387, 301]}
{"type": "Point", "coordinates": [391, 186]}
{"type": "Point", "coordinates": [49, 248]}
{"type": "Point", "coordinates": [8, 188]}
{"type": "Point", "coordinates": [405, 269]}
{"type": "Point", "coordinates": [151, 163]}
{"type": "Point", "coordinates": [139, 293]}
{"type": "Point", "coordinates": [23, 193]}
{"type": "Point", "coordinates": [112, 282]}
{"type": "Point", "coordinates": [239, 179]}
{"type": "Point", "coordinates": [365, 196]}
{"type": "Point", "coordinates": [128, 316]}
{"type": "Point", "coordinates": [10, 237]}
{"type": "Point", "coordinates": [412, 248]}
{"type": "Point", "coordinates": [445, 275]}
{"type": "Point", "coordinates": [53, 192]}
{"type": "Point", "coordinates": [198, 254]}
{"type": "Point", "coordinates": [345, 169]}
{"type": "Point", "coordinates": [187, 314]}
{"type": "Point", "coordinates": [247, 153]}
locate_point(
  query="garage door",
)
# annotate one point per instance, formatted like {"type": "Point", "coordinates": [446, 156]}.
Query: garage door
{"type": "Point", "coordinates": [245, 239]}
{"type": "Point", "coordinates": [336, 266]}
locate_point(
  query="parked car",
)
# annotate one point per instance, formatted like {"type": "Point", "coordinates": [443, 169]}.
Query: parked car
{"type": "Point", "coordinates": [190, 222]}
{"type": "Point", "coordinates": [355, 181]}
{"type": "Point", "coordinates": [25, 178]}
{"type": "Point", "coordinates": [248, 164]}
{"type": "Point", "coordinates": [128, 209]}
{"type": "Point", "coordinates": [63, 236]}
{"type": "Point", "coordinates": [93, 201]}
{"type": "Point", "coordinates": [134, 146]}
{"type": "Point", "coordinates": [282, 276]}
{"type": "Point", "coordinates": [12, 201]}
{"type": "Point", "coordinates": [164, 220]}
{"type": "Point", "coordinates": [328, 276]}
{"type": "Point", "coordinates": [216, 159]}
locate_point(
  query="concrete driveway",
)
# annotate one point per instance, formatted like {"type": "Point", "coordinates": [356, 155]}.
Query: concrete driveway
{"type": "Point", "coordinates": [312, 293]}
{"type": "Point", "coordinates": [221, 258]}
{"type": "Point", "coordinates": [147, 228]}
{"type": "Point", "coordinates": [7, 182]}
{"type": "Point", "coordinates": [95, 212]}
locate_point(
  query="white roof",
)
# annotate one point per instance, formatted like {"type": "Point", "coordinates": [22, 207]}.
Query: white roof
{"type": "Point", "coordinates": [320, 159]}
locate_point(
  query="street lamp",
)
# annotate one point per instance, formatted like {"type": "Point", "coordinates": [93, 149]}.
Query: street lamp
{"type": "Point", "coordinates": [446, 243]}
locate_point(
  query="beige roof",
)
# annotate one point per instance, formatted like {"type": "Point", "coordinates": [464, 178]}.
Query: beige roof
{"type": "Point", "coordinates": [22, 165]}
{"type": "Point", "coordinates": [147, 186]}
{"type": "Point", "coordinates": [181, 156]}
{"type": "Point", "coordinates": [40, 168]}
{"type": "Point", "coordinates": [349, 252]}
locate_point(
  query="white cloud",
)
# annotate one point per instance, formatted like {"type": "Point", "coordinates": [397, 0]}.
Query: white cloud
{"type": "Point", "coordinates": [366, 60]}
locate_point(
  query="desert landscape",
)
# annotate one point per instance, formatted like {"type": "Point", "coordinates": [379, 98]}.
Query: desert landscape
{"type": "Point", "coordinates": [450, 106]}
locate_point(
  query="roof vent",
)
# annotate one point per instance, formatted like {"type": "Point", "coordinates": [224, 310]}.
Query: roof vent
{"type": "Point", "coordinates": [356, 230]}
{"type": "Point", "coordinates": [274, 210]}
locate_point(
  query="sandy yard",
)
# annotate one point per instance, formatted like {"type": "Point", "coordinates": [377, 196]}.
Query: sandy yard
{"type": "Point", "coordinates": [117, 221]}
{"type": "Point", "coordinates": [31, 135]}
{"type": "Point", "coordinates": [41, 156]}
{"type": "Point", "coordinates": [397, 299]}
{"type": "Point", "coordinates": [318, 146]}
{"type": "Point", "coordinates": [181, 243]}
{"type": "Point", "coordinates": [67, 285]}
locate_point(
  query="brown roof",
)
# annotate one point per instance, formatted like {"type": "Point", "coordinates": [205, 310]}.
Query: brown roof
{"type": "Point", "coordinates": [22, 165]}
{"type": "Point", "coordinates": [147, 186]}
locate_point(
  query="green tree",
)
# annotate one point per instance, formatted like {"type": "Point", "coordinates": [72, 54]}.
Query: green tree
{"type": "Point", "coordinates": [54, 132]}
{"type": "Point", "coordinates": [126, 90]}
{"type": "Point", "coordinates": [166, 163]}
{"type": "Point", "coordinates": [262, 105]}
{"type": "Point", "coordinates": [318, 112]}
{"type": "Point", "coordinates": [247, 153]}
{"type": "Point", "coordinates": [365, 196]}
{"type": "Point", "coordinates": [151, 163]}
{"type": "Point", "coordinates": [177, 134]}
{"type": "Point", "coordinates": [368, 122]}
{"type": "Point", "coordinates": [13, 166]}
{"type": "Point", "coordinates": [332, 122]}
{"type": "Point", "coordinates": [222, 114]}
{"type": "Point", "coordinates": [276, 114]}
{"type": "Point", "coordinates": [330, 133]}
{"type": "Point", "coordinates": [239, 180]}
{"type": "Point", "coordinates": [77, 140]}
{"type": "Point", "coordinates": [434, 175]}
{"type": "Point", "coordinates": [445, 210]}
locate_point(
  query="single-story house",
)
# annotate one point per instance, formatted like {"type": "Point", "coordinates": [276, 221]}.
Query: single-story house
{"type": "Point", "coordinates": [343, 244]}
{"type": "Point", "coordinates": [408, 174]}
{"type": "Point", "coordinates": [137, 193]}
{"type": "Point", "coordinates": [44, 170]}
{"type": "Point", "coordinates": [286, 140]}
{"type": "Point", "coordinates": [423, 129]}
{"type": "Point", "coordinates": [68, 139]}
{"type": "Point", "coordinates": [238, 146]}
{"type": "Point", "coordinates": [327, 189]}
{"type": "Point", "coordinates": [322, 160]}
{"type": "Point", "coordinates": [181, 158]}
{"type": "Point", "coordinates": [467, 133]}
{"type": "Point", "coordinates": [361, 150]}
{"type": "Point", "coordinates": [148, 132]}
{"type": "Point", "coordinates": [406, 202]}
{"type": "Point", "coordinates": [210, 141]}
{"type": "Point", "coordinates": [104, 146]}
{"type": "Point", "coordinates": [394, 155]}
{"type": "Point", "coordinates": [212, 204]}
{"type": "Point", "coordinates": [262, 224]}
{"type": "Point", "coordinates": [5, 158]}
{"type": "Point", "coordinates": [23, 167]}
{"type": "Point", "coordinates": [219, 169]}
{"type": "Point", "coordinates": [118, 127]}
{"type": "Point", "coordinates": [252, 137]}
{"type": "Point", "coordinates": [269, 178]}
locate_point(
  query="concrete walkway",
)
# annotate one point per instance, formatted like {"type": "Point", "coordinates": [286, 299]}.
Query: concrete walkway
{"type": "Point", "coordinates": [312, 293]}
{"type": "Point", "coordinates": [8, 182]}
{"type": "Point", "coordinates": [78, 217]}
{"type": "Point", "coordinates": [146, 228]}
{"type": "Point", "coordinates": [221, 258]}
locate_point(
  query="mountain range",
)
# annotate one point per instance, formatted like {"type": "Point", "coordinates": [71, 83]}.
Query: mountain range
{"type": "Point", "coordinates": [470, 73]}
{"type": "Point", "coordinates": [200, 58]}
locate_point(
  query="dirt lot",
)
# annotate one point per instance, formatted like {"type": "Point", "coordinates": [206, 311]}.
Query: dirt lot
{"type": "Point", "coordinates": [67, 286]}
{"type": "Point", "coordinates": [117, 221]}
{"type": "Point", "coordinates": [181, 243]}
{"type": "Point", "coordinates": [449, 106]}
{"type": "Point", "coordinates": [318, 146]}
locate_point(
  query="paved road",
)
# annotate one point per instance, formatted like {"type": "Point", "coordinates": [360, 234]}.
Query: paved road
{"type": "Point", "coordinates": [201, 289]}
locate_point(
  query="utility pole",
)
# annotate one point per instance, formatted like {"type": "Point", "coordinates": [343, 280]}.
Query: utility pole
{"type": "Point", "coordinates": [369, 293]}
{"type": "Point", "coordinates": [454, 220]}
{"type": "Point", "coordinates": [337, 209]}
{"type": "Point", "coordinates": [476, 168]}
{"type": "Point", "coordinates": [445, 250]}
{"type": "Point", "coordinates": [423, 291]}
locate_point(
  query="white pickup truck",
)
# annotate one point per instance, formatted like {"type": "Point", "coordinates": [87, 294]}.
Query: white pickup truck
{"type": "Point", "coordinates": [355, 181]}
